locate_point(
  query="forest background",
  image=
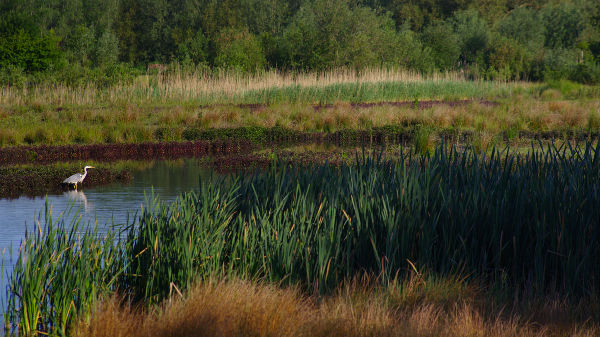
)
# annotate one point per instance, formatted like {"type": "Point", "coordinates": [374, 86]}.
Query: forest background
{"type": "Point", "coordinates": [75, 42]}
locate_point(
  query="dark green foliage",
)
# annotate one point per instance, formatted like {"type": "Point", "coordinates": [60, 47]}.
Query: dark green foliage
{"type": "Point", "coordinates": [107, 50]}
{"type": "Point", "coordinates": [192, 47]}
{"type": "Point", "coordinates": [587, 73]}
{"type": "Point", "coordinates": [24, 46]}
{"type": "Point", "coordinates": [495, 39]}
{"type": "Point", "coordinates": [330, 34]}
{"type": "Point", "coordinates": [31, 53]}
{"type": "Point", "coordinates": [412, 54]}
{"type": "Point", "coordinates": [594, 47]}
{"type": "Point", "coordinates": [563, 24]}
{"type": "Point", "coordinates": [443, 45]}
{"type": "Point", "coordinates": [507, 59]}
{"type": "Point", "coordinates": [472, 32]}
{"type": "Point", "coordinates": [524, 25]}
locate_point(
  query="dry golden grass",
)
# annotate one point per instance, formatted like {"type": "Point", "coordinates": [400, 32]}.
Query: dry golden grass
{"type": "Point", "coordinates": [529, 116]}
{"type": "Point", "coordinates": [243, 83]}
{"type": "Point", "coordinates": [179, 85]}
{"type": "Point", "coordinates": [242, 308]}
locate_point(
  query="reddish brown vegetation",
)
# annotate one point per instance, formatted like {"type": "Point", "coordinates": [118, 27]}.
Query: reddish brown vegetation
{"type": "Point", "coordinates": [241, 308]}
{"type": "Point", "coordinates": [110, 152]}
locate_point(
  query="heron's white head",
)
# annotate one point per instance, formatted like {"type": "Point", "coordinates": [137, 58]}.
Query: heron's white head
{"type": "Point", "coordinates": [87, 167]}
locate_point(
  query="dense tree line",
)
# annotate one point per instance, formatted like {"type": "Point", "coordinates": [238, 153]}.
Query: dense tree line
{"type": "Point", "coordinates": [502, 39]}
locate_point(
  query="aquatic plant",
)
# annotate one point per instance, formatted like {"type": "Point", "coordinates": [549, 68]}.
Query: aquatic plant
{"type": "Point", "coordinates": [510, 219]}
{"type": "Point", "coordinates": [520, 223]}
{"type": "Point", "coordinates": [63, 267]}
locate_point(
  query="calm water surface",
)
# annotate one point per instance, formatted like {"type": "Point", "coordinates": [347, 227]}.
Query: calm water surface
{"type": "Point", "coordinates": [106, 204]}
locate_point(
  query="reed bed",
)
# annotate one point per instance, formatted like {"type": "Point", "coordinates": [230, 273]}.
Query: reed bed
{"type": "Point", "coordinates": [518, 223]}
{"type": "Point", "coordinates": [267, 87]}
{"type": "Point", "coordinates": [514, 219]}
{"type": "Point", "coordinates": [63, 266]}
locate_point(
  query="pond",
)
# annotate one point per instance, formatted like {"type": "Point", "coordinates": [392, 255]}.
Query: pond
{"type": "Point", "coordinates": [110, 204]}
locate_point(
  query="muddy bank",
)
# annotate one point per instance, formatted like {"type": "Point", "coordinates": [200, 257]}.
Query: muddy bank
{"type": "Point", "coordinates": [39, 180]}
{"type": "Point", "coordinates": [45, 154]}
{"type": "Point", "coordinates": [225, 141]}
{"type": "Point", "coordinates": [42, 180]}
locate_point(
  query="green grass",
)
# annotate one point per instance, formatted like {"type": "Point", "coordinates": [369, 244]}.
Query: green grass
{"type": "Point", "coordinates": [517, 223]}
{"type": "Point", "coordinates": [352, 92]}
{"type": "Point", "coordinates": [155, 108]}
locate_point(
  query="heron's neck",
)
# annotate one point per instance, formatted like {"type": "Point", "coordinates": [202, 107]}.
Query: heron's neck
{"type": "Point", "coordinates": [84, 171]}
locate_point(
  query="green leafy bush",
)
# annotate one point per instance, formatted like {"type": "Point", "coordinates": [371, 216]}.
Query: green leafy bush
{"type": "Point", "coordinates": [442, 45]}
{"type": "Point", "coordinates": [525, 26]}
{"type": "Point", "coordinates": [507, 59]}
{"type": "Point", "coordinates": [473, 34]}
{"type": "Point", "coordinates": [239, 50]}
{"type": "Point", "coordinates": [586, 73]}
{"type": "Point", "coordinates": [563, 24]}
{"type": "Point", "coordinates": [329, 34]}
{"type": "Point", "coordinates": [29, 52]}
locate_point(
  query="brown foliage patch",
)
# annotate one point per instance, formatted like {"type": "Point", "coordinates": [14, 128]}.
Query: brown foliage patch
{"type": "Point", "coordinates": [111, 152]}
{"type": "Point", "coordinates": [242, 308]}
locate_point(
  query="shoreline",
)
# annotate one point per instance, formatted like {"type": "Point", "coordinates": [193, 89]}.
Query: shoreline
{"type": "Point", "coordinates": [227, 141]}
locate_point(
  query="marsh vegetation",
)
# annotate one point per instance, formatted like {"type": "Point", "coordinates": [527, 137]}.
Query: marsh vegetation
{"type": "Point", "coordinates": [508, 226]}
{"type": "Point", "coordinates": [480, 218]}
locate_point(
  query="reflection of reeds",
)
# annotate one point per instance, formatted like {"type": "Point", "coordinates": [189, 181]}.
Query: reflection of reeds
{"type": "Point", "coordinates": [519, 224]}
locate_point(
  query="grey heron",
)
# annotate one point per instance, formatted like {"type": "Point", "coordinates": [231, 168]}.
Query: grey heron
{"type": "Point", "coordinates": [77, 177]}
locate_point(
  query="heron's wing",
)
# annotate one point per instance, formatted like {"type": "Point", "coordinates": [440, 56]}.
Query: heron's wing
{"type": "Point", "coordinates": [73, 179]}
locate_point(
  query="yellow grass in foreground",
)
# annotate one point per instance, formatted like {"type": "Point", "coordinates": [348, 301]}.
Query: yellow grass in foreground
{"type": "Point", "coordinates": [240, 308]}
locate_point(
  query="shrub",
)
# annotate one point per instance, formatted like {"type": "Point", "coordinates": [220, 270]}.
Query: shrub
{"type": "Point", "coordinates": [524, 25]}
{"type": "Point", "coordinates": [80, 44]}
{"type": "Point", "coordinates": [412, 54]}
{"type": "Point", "coordinates": [193, 48]}
{"type": "Point", "coordinates": [507, 59]}
{"type": "Point", "coordinates": [239, 50]}
{"type": "Point", "coordinates": [442, 44]}
{"type": "Point", "coordinates": [24, 46]}
{"type": "Point", "coordinates": [586, 73]}
{"type": "Point", "coordinates": [331, 34]}
{"type": "Point", "coordinates": [563, 24]}
{"type": "Point", "coordinates": [557, 63]}
{"type": "Point", "coordinates": [107, 49]}
{"type": "Point", "coordinates": [28, 52]}
{"type": "Point", "coordinates": [12, 75]}
{"type": "Point", "coordinates": [472, 32]}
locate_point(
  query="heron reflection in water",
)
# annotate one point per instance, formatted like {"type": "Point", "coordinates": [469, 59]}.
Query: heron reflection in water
{"type": "Point", "coordinates": [77, 178]}
{"type": "Point", "coordinates": [77, 196]}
